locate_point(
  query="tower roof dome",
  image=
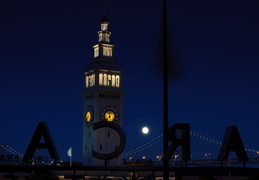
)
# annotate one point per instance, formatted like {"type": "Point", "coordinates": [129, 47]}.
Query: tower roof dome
{"type": "Point", "coordinates": [104, 19]}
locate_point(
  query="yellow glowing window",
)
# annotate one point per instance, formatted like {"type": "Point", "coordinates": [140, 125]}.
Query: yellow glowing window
{"type": "Point", "coordinates": [105, 79]}
{"type": "Point", "coordinates": [90, 80]}
{"type": "Point", "coordinates": [100, 79]}
{"type": "Point", "coordinates": [96, 52]}
{"type": "Point", "coordinates": [100, 37]}
{"type": "Point", "coordinates": [113, 80]}
{"type": "Point", "coordinates": [86, 81]}
{"type": "Point", "coordinates": [109, 80]}
{"type": "Point", "coordinates": [107, 51]}
{"type": "Point", "coordinates": [104, 27]}
{"type": "Point", "coordinates": [117, 83]}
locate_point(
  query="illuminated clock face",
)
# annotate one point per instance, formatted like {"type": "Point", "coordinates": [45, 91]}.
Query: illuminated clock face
{"type": "Point", "coordinates": [110, 114]}
{"type": "Point", "coordinates": [89, 116]}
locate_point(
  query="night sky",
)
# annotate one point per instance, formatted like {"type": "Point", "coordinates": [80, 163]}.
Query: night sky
{"type": "Point", "coordinates": [46, 45]}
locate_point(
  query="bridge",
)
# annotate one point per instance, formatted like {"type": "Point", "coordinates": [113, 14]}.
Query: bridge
{"type": "Point", "coordinates": [12, 166]}
{"type": "Point", "coordinates": [9, 155]}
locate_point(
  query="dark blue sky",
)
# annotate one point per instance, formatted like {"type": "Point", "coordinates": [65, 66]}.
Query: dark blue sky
{"type": "Point", "coordinates": [45, 47]}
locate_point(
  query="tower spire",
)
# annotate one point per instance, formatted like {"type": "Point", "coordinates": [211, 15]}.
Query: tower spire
{"type": "Point", "coordinates": [104, 48]}
{"type": "Point", "coordinates": [104, 34]}
{"type": "Point", "coordinates": [104, 7]}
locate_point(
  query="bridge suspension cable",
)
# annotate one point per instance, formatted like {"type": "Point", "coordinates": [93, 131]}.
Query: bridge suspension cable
{"type": "Point", "coordinates": [143, 147]}
{"type": "Point", "coordinates": [204, 138]}
{"type": "Point", "coordinates": [159, 138]}
{"type": "Point", "coordinates": [11, 150]}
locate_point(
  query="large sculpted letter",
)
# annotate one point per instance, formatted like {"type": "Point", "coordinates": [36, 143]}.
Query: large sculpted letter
{"type": "Point", "coordinates": [117, 151]}
{"type": "Point", "coordinates": [232, 142]}
{"type": "Point", "coordinates": [41, 131]}
{"type": "Point", "coordinates": [184, 141]}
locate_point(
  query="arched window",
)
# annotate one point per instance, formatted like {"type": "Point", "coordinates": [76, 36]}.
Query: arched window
{"type": "Point", "coordinates": [109, 82]}
{"type": "Point", "coordinates": [104, 27]}
{"type": "Point", "coordinates": [117, 83]}
{"type": "Point", "coordinates": [92, 80]}
{"type": "Point", "coordinates": [100, 79]}
{"type": "Point", "coordinates": [113, 80]}
{"type": "Point", "coordinates": [105, 79]}
{"type": "Point", "coordinates": [86, 82]}
{"type": "Point", "coordinates": [100, 37]}
{"type": "Point", "coordinates": [107, 51]}
{"type": "Point", "coordinates": [96, 51]}
{"type": "Point", "coordinates": [110, 52]}
{"type": "Point", "coordinates": [107, 38]}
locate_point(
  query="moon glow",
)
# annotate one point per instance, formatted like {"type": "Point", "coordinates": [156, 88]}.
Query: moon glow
{"type": "Point", "coordinates": [145, 130]}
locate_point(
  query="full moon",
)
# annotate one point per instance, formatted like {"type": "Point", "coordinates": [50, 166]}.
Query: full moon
{"type": "Point", "coordinates": [145, 130]}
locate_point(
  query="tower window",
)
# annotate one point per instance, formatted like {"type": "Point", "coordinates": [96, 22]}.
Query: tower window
{"type": "Point", "coordinates": [104, 36]}
{"type": "Point", "coordinates": [100, 37]}
{"type": "Point", "coordinates": [86, 81]}
{"type": "Point", "coordinates": [117, 81]}
{"type": "Point", "coordinates": [104, 26]}
{"type": "Point", "coordinates": [101, 147]}
{"type": "Point", "coordinates": [109, 133]}
{"type": "Point", "coordinates": [96, 51]}
{"type": "Point", "coordinates": [100, 79]}
{"type": "Point", "coordinates": [105, 79]}
{"type": "Point", "coordinates": [90, 80]}
{"type": "Point", "coordinates": [109, 80]}
{"type": "Point", "coordinates": [107, 51]}
{"type": "Point", "coordinates": [113, 80]}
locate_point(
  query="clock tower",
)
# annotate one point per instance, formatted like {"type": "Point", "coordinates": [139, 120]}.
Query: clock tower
{"type": "Point", "coordinates": [103, 100]}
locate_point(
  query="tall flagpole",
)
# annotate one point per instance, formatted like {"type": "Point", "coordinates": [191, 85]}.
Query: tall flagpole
{"type": "Point", "coordinates": [71, 156]}
{"type": "Point", "coordinates": [165, 76]}
{"type": "Point", "coordinates": [69, 153]}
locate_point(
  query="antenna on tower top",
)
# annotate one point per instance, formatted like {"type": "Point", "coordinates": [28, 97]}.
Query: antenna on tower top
{"type": "Point", "coordinates": [104, 7]}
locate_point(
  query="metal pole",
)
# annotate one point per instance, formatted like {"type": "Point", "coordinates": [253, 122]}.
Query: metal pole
{"type": "Point", "coordinates": [165, 74]}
